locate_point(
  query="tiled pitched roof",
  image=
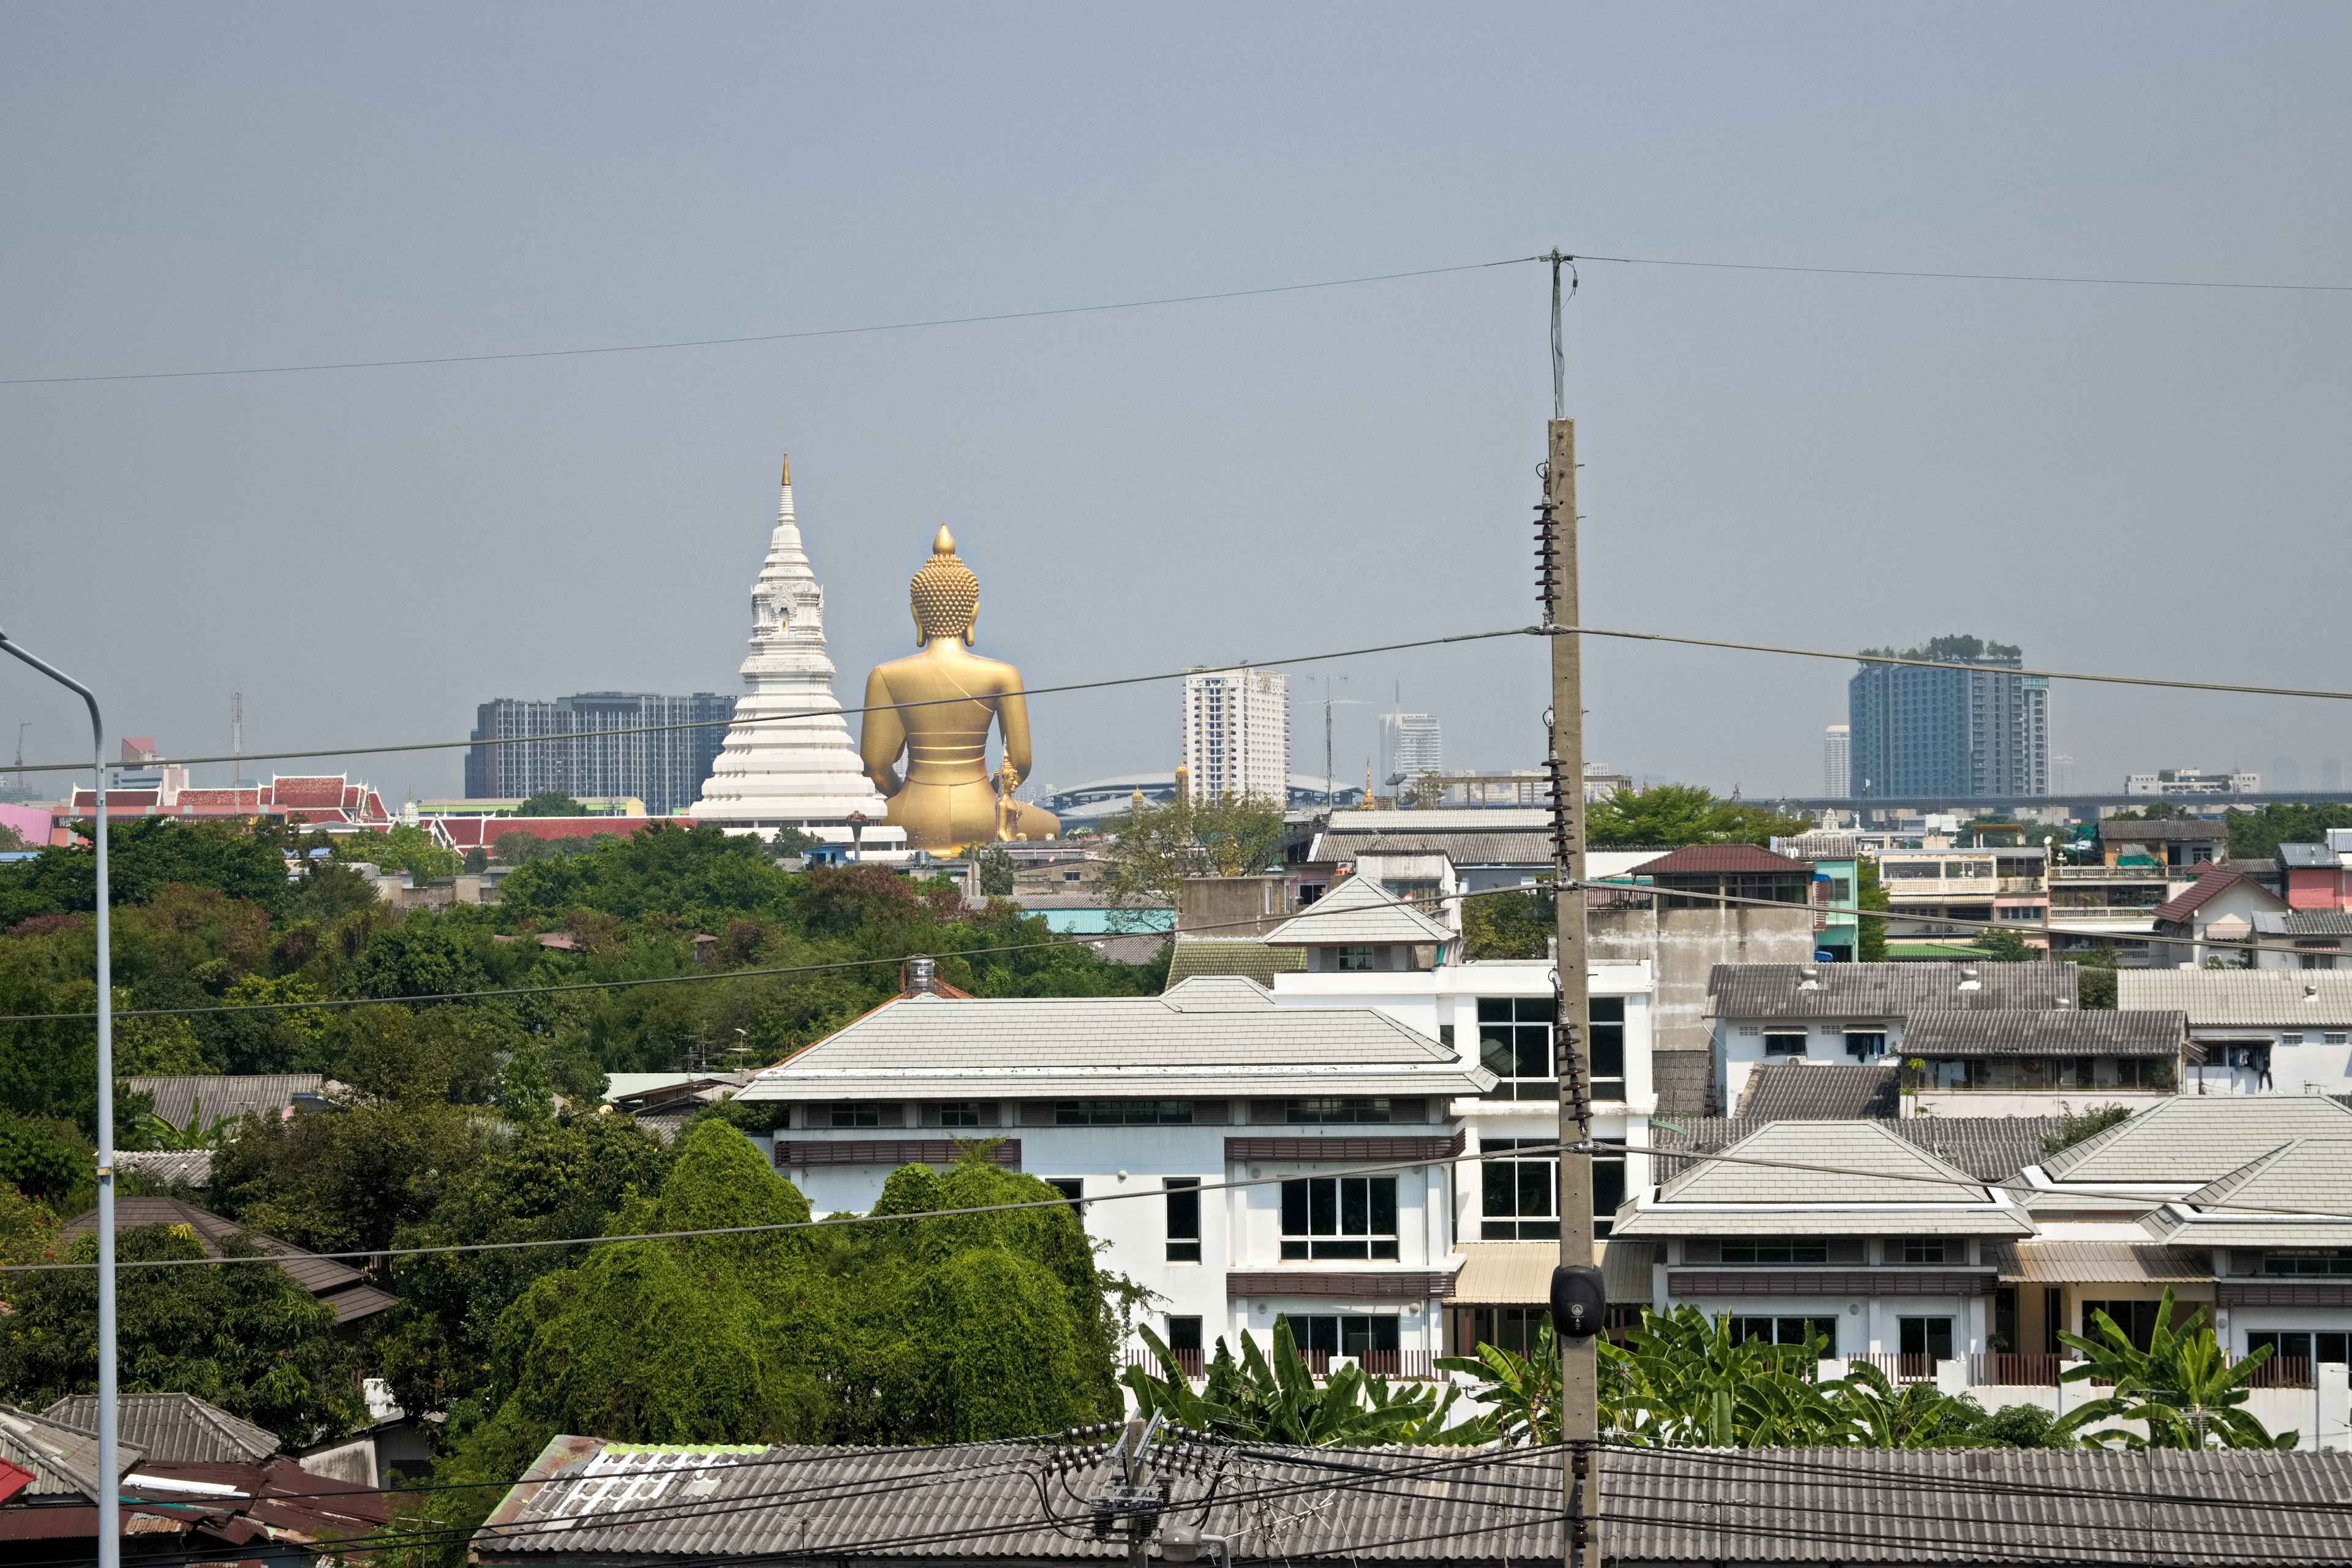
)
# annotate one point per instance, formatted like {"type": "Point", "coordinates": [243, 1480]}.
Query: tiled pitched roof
{"type": "Point", "coordinates": [1685, 1081]}
{"type": "Point", "coordinates": [2196, 1138]}
{"type": "Point", "coordinates": [1719, 859]}
{"type": "Point", "coordinates": [229, 1095]}
{"type": "Point", "coordinates": [1358, 912]}
{"type": "Point", "coordinates": [1899, 1172]}
{"type": "Point", "coordinates": [1462, 848]}
{"type": "Point", "coordinates": [2204, 889]}
{"type": "Point", "coordinates": [174, 1427]}
{"type": "Point", "coordinates": [2163, 830]}
{"type": "Point", "coordinates": [584, 1501]}
{"type": "Point", "coordinates": [2305, 1174]}
{"type": "Point", "coordinates": [1820, 1091]}
{"type": "Point", "coordinates": [1246, 956]}
{"type": "Point", "coordinates": [2302, 922]}
{"type": "Point", "coordinates": [1210, 1036]}
{"type": "Point", "coordinates": [2057, 1032]}
{"type": "Point", "coordinates": [64, 1461]}
{"type": "Point", "coordinates": [1861, 991]}
{"type": "Point", "coordinates": [2307, 857]}
{"type": "Point", "coordinates": [342, 1289]}
{"type": "Point", "coordinates": [2235, 998]}
{"type": "Point", "coordinates": [1989, 1148]}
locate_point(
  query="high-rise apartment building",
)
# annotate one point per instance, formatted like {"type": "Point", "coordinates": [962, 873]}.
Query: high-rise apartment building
{"type": "Point", "coordinates": [1415, 744]}
{"type": "Point", "coordinates": [662, 767]}
{"type": "Point", "coordinates": [1237, 734]}
{"type": "Point", "coordinates": [1837, 759]}
{"type": "Point", "coordinates": [1916, 730]}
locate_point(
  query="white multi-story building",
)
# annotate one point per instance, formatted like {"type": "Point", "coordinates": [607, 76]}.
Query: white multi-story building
{"type": "Point", "coordinates": [1237, 734]}
{"type": "Point", "coordinates": [2193, 781]}
{"type": "Point", "coordinates": [1415, 744]}
{"type": "Point", "coordinates": [1837, 759]}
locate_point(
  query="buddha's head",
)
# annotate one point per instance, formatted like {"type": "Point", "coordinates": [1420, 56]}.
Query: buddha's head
{"type": "Point", "coordinates": [944, 596]}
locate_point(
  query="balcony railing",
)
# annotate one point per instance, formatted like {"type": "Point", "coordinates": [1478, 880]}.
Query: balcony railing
{"type": "Point", "coordinates": [2011, 1369]}
{"type": "Point", "coordinates": [1412, 1366]}
{"type": "Point", "coordinates": [1899, 1367]}
{"type": "Point", "coordinates": [2120, 874]}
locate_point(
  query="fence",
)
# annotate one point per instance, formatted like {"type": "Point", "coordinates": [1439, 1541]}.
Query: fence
{"type": "Point", "coordinates": [1412, 1366]}
{"type": "Point", "coordinates": [2003, 1369]}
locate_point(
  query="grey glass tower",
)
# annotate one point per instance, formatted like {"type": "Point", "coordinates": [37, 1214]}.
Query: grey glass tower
{"type": "Point", "coordinates": [1925, 733]}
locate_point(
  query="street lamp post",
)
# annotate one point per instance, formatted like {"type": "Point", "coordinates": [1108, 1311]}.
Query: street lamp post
{"type": "Point", "coordinates": [110, 1523]}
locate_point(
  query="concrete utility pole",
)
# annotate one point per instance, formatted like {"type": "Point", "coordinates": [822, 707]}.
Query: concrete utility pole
{"type": "Point", "coordinates": [1578, 1302]}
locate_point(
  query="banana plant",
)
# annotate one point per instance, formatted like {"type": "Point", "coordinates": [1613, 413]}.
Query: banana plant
{"type": "Point", "coordinates": [1274, 1398]}
{"type": "Point", "coordinates": [2183, 1387]}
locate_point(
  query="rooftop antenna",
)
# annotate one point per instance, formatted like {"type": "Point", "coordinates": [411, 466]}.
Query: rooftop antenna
{"type": "Point", "coordinates": [22, 726]}
{"type": "Point", "coordinates": [237, 739]}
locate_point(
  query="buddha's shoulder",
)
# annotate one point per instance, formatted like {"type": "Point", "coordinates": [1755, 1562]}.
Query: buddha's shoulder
{"type": "Point", "coordinates": [966, 667]}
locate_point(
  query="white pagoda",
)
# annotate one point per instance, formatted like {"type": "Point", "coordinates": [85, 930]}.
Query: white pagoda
{"type": "Point", "coordinates": [789, 761]}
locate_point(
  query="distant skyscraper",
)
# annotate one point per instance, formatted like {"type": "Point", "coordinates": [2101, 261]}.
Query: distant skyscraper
{"type": "Point", "coordinates": [1415, 744]}
{"type": "Point", "coordinates": [1837, 759]}
{"type": "Point", "coordinates": [665, 768]}
{"type": "Point", "coordinates": [1237, 734]}
{"type": "Point", "coordinates": [1919, 731]}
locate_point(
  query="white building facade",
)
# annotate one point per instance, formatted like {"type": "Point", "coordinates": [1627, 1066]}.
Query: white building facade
{"type": "Point", "coordinates": [1415, 745]}
{"type": "Point", "coordinates": [1237, 734]}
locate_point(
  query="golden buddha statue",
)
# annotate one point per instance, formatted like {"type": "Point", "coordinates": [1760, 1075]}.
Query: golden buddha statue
{"type": "Point", "coordinates": [936, 706]}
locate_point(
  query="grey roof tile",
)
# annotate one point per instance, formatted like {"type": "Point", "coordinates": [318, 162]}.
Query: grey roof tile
{"type": "Point", "coordinates": [229, 1095]}
{"type": "Point", "coordinates": [1685, 1081]}
{"type": "Point", "coordinates": [175, 1428]}
{"type": "Point", "coordinates": [1860, 990]}
{"type": "Point", "coordinates": [1901, 1508]}
{"type": "Point", "coordinates": [1359, 912]}
{"type": "Point", "coordinates": [2196, 1138]}
{"type": "Point", "coordinates": [2243, 998]}
{"type": "Point", "coordinates": [1820, 1091]}
{"type": "Point", "coordinates": [1989, 1148]}
{"type": "Point", "coordinates": [2051, 1032]}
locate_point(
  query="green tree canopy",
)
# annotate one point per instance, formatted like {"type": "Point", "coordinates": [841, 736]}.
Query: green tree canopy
{"type": "Point", "coordinates": [1667, 816]}
{"type": "Point", "coordinates": [2256, 834]}
{"type": "Point", "coordinates": [551, 803]}
{"type": "Point", "coordinates": [1150, 847]}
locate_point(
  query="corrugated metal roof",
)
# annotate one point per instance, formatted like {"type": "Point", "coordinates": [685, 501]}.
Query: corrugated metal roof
{"type": "Point", "coordinates": [1820, 1091]}
{"type": "Point", "coordinates": [1210, 1035]}
{"type": "Point", "coordinates": [1625, 1272]}
{"type": "Point", "coordinates": [1504, 1273]}
{"type": "Point", "coordinates": [1873, 991]}
{"type": "Point", "coordinates": [2196, 1138]}
{"type": "Point", "coordinates": [173, 1428]}
{"type": "Point", "coordinates": [190, 1167]}
{"type": "Point", "coordinates": [2302, 922]}
{"type": "Point", "coordinates": [2042, 1261]}
{"type": "Point", "coordinates": [1528, 849]}
{"type": "Point", "coordinates": [229, 1095]}
{"type": "Point", "coordinates": [64, 1461]}
{"type": "Point", "coordinates": [1357, 913]}
{"type": "Point", "coordinates": [2308, 856]}
{"type": "Point", "coordinates": [1916, 1508]}
{"type": "Point", "coordinates": [2243, 998]}
{"type": "Point", "coordinates": [2058, 1032]}
{"type": "Point", "coordinates": [2163, 830]}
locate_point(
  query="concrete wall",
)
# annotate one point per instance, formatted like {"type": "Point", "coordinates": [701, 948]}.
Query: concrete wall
{"type": "Point", "coordinates": [1686, 945]}
{"type": "Point", "coordinates": [1233, 906]}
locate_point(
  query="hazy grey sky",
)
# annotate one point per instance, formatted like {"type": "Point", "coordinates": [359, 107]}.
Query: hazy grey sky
{"type": "Point", "coordinates": [2118, 479]}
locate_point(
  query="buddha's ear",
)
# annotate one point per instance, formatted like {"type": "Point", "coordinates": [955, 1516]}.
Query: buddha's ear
{"type": "Point", "coordinates": [916, 616]}
{"type": "Point", "coordinates": [973, 621]}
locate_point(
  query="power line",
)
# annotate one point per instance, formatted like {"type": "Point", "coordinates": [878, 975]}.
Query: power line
{"type": "Point", "coordinates": [1155, 302]}
{"type": "Point", "coordinates": [1973, 276]}
{"type": "Point", "coordinates": [835, 712]}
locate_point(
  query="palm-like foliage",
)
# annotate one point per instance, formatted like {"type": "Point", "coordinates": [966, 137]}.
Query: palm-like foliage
{"type": "Point", "coordinates": [2182, 1386]}
{"type": "Point", "coordinates": [1522, 1393]}
{"type": "Point", "coordinates": [1918, 1416]}
{"type": "Point", "coordinates": [1681, 1380]}
{"type": "Point", "coordinates": [1275, 1399]}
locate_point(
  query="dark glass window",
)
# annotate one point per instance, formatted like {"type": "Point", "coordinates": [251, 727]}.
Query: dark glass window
{"type": "Point", "coordinates": [1184, 1220]}
{"type": "Point", "coordinates": [1123, 1113]}
{"type": "Point", "coordinates": [1929, 1337]}
{"type": "Point", "coordinates": [2297, 1345]}
{"type": "Point", "coordinates": [1926, 1249]}
{"type": "Point", "coordinates": [1071, 1187]}
{"type": "Point", "coordinates": [1776, 1249]}
{"type": "Point", "coordinates": [1183, 1333]}
{"type": "Point", "coordinates": [1518, 1197]}
{"type": "Point", "coordinates": [952, 1113]}
{"type": "Point", "coordinates": [1350, 957]}
{"type": "Point", "coordinates": [1339, 1217]}
{"type": "Point", "coordinates": [1306, 1110]}
{"type": "Point", "coordinates": [1342, 1334]}
{"type": "Point", "coordinates": [1514, 1045]}
{"type": "Point", "coordinates": [858, 1116]}
{"type": "Point", "coordinates": [2314, 1260]}
{"type": "Point", "coordinates": [1786, 1331]}
{"type": "Point", "coordinates": [1607, 1071]}
{"type": "Point", "coordinates": [1784, 1045]}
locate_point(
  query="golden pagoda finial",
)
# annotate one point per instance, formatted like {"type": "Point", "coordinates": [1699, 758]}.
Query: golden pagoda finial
{"type": "Point", "coordinates": [788, 468]}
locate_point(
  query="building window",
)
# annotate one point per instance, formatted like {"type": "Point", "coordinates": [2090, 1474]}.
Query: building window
{"type": "Point", "coordinates": [1607, 1068]}
{"type": "Point", "coordinates": [1184, 1338]}
{"type": "Point", "coordinates": [1924, 1249]}
{"type": "Point", "coordinates": [1513, 1328]}
{"type": "Point", "coordinates": [1864, 1044]}
{"type": "Point", "coordinates": [2302, 1346]}
{"type": "Point", "coordinates": [1776, 1249]}
{"type": "Point", "coordinates": [1123, 1113]}
{"type": "Point", "coordinates": [1073, 1188]}
{"type": "Point", "coordinates": [1356, 957]}
{"type": "Point", "coordinates": [2309, 1260]}
{"type": "Point", "coordinates": [1342, 1334]}
{"type": "Point", "coordinates": [1514, 1045]}
{"type": "Point", "coordinates": [1339, 1217]}
{"type": "Point", "coordinates": [1929, 1337]}
{"type": "Point", "coordinates": [959, 1113]}
{"type": "Point", "coordinates": [1786, 1331]}
{"type": "Point", "coordinates": [1784, 1045]}
{"type": "Point", "coordinates": [2135, 1319]}
{"type": "Point", "coordinates": [1320, 1110]}
{"type": "Point", "coordinates": [1184, 1221]}
{"type": "Point", "coordinates": [866, 1115]}
{"type": "Point", "coordinates": [1518, 1197]}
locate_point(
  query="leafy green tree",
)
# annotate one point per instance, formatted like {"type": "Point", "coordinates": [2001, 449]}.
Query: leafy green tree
{"type": "Point", "coordinates": [701, 873]}
{"type": "Point", "coordinates": [403, 847]}
{"type": "Point", "coordinates": [2256, 834]}
{"type": "Point", "coordinates": [2007, 947]}
{"type": "Point", "coordinates": [1954, 647]}
{"type": "Point", "coordinates": [244, 1337]}
{"type": "Point", "coordinates": [2183, 1386]}
{"type": "Point", "coordinates": [45, 1159]}
{"type": "Point", "coordinates": [551, 803]}
{"type": "Point", "coordinates": [1516, 924]}
{"type": "Point", "coordinates": [2095, 985]}
{"type": "Point", "coordinates": [1682, 1380]}
{"type": "Point", "coordinates": [1869, 894]}
{"type": "Point", "coordinates": [996, 868]}
{"type": "Point", "coordinates": [1151, 848]}
{"type": "Point", "coordinates": [1274, 1398]}
{"type": "Point", "coordinates": [1879, 1415]}
{"type": "Point", "coordinates": [1666, 816]}
{"type": "Point", "coordinates": [791, 843]}
{"type": "Point", "coordinates": [146, 855]}
{"type": "Point", "coordinates": [2074, 1126]}
{"type": "Point", "coordinates": [477, 860]}
{"type": "Point", "coordinates": [517, 848]}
